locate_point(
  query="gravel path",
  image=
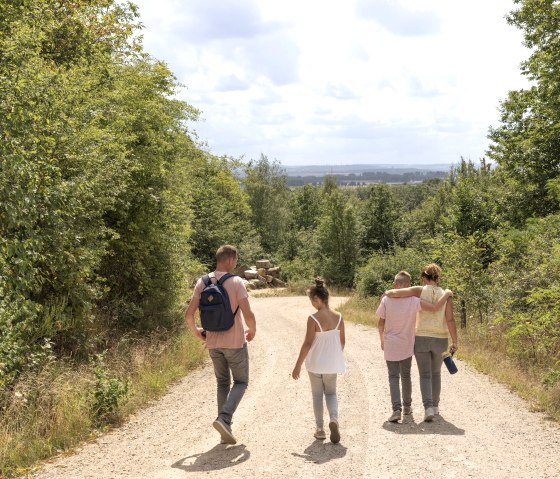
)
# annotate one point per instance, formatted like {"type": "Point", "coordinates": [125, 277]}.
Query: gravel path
{"type": "Point", "coordinates": [484, 430]}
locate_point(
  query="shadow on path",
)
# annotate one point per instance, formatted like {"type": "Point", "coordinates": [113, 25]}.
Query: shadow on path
{"type": "Point", "coordinates": [320, 452]}
{"type": "Point", "coordinates": [219, 457]}
{"type": "Point", "coordinates": [438, 426]}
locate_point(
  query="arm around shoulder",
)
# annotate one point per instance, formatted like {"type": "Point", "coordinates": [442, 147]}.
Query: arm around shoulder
{"type": "Point", "coordinates": [404, 292]}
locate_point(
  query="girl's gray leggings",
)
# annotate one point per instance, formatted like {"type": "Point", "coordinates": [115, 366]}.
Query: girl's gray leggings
{"type": "Point", "coordinates": [324, 384]}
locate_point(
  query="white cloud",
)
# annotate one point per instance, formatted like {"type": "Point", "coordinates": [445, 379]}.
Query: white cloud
{"type": "Point", "coordinates": [400, 19]}
{"type": "Point", "coordinates": [341, 81]}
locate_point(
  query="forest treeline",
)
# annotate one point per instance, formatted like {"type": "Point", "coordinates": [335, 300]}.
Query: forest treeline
{"type": "Point", "coordinates": [110, 207]}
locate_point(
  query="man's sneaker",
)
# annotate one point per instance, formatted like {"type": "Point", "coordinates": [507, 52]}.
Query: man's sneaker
{"type": "Point", "coordinates": [335, 433]}
{"type": "Point", "coordinates": [429, 414]}
{"type": "Point", "coordinates": [436, 411]}
{"type": "Point", "coordinates": [320, 434]}
{"type": "Point", "coordinates": [396, 416]}
{"type": "Point", "coordinates": [407, 410]}
{"type": "Point", "coordinates": [224, 430]}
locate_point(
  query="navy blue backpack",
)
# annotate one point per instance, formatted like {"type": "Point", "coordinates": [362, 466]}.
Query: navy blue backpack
{"type": "Point", "coordinates": [215, 308]}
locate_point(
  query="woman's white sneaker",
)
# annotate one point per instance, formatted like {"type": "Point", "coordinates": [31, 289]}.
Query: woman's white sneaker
{"type": "Point", "coordinates": [429, 414]}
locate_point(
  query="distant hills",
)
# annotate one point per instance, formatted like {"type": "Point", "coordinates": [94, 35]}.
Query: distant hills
{"type": "Point", "coordinates": [355, 175]}
{"type": "Point", "coordinates": [322, 170]}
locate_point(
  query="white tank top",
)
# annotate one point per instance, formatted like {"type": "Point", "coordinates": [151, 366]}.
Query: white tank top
{"type": "Point", "coordinates": [325, 355]}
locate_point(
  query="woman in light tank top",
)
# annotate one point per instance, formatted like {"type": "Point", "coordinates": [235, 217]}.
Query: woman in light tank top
{"type": "Point", "coordinates": [431, 341]}
{"type": "Point", "coordinates": [322, 351]}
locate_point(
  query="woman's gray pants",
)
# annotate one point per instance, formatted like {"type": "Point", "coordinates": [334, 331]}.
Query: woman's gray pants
{"type": "Point", "coordinates": [428, 352]}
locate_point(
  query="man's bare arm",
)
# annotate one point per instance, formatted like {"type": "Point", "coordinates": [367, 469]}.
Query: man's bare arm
{"type": "Point", "coordinates": [249, 317]}
{"type": "Point", "coordinates": [189, 318]}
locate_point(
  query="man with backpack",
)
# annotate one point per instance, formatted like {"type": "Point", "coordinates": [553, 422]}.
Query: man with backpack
{"type": "Point", "coordinates": [219, 296]}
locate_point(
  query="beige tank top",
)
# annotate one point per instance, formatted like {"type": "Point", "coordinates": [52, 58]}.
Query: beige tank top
{"type": "Point", "coordinates": [428, 323]}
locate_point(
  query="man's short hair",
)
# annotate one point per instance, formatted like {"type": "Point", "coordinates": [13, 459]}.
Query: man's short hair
{"type": "Point", "coordinates": [402, 278]}
{"type": "Point", "coordinates": [225, 252]}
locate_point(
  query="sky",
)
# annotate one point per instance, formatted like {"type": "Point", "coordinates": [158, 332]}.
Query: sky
{"type": "Point", "coordinates": [334, 82]}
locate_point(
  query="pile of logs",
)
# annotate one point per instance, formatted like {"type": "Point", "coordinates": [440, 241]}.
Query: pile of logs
{"type": "Point", "coordinates": [262, 275]}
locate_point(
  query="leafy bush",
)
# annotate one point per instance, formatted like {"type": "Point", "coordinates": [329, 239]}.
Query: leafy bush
{"type": "Point", "coordinates": [109, 392]}
{"type": "Point", "coordinates": [378, 273]}
{"type": "Point", "coordinates": [552, 377]}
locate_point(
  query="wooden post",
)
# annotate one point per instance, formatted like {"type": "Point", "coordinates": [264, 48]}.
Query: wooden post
{"type": "Point", "coordinates": [463, 314]}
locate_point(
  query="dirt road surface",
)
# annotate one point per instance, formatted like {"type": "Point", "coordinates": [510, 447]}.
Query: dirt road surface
{"type": "Point", "coordinates": [484, 431]}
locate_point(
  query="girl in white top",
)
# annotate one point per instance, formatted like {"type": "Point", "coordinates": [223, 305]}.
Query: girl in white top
{"type": "Point", "coordinates": [322, 350]}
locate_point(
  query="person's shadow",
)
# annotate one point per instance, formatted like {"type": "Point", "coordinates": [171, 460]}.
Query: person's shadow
{"type": "Point", "coordinates": [438, 426]}
{"type": "Point", "coordinates": [320, 452]}
{"type": "Point", "coordinates": [219, 457]}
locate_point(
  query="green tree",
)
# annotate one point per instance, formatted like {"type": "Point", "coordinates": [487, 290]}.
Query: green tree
{"type": "Point", "coordinates": [305, 210]}
{"type": "Point", "coordinates": [472, 204]}
{"type": "Point", "coordinates": [379, 217]}
{"type": "Point", "coordinates": [337, 237]}
{"type": "Point", "coordinates": [60, 167]}
{"type": "Point", "coordinates": [305, 206]}
{"type": "Point", "coordinates": [526, 144]}
{"type": "Point", "coordinates": [464, 272]}
{"type": "Point", "coordinates": [428, 219]}
{"type": "Point", "coordinates": [220, 208]}
{"type": "Point", "coordinates": [92, 222]}
{"type": "Point", "coordinates": [266, 185]}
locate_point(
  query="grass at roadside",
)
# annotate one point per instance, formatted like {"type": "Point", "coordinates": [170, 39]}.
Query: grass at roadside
{"type": "Point", "coordinates": [487, 355]}
{"type": "Point", "coordinates": [54, 410]}
{"type": "Point", "coordinates": [484, 352]}
{"type": "Point", "coordinates": [360, 310]}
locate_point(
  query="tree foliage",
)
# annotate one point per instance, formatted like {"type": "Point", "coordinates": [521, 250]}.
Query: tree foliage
{"type": "Point", "coordinates": [91, 222]}
{"type": "Point", "coordinates": [527, 142]}
{"type": "Point", "coordinates": [338, 240]}
{"type": "Point", "coordinates": [379, 219]}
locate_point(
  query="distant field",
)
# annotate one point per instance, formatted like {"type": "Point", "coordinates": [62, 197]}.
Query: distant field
{"type": "Point", "coordinates": [357, 175]}
{"type": "Point", "coordinates": [321, 170]}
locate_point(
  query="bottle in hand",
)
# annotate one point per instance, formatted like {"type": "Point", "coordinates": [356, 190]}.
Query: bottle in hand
{"type": "Point", "coordinates": [449, 363]}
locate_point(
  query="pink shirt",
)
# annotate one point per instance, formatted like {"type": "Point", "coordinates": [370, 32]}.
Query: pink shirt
{"type": "Point", "coordinates": [400, 325]}
{"type": "Point", "coordinates": [234, 337]}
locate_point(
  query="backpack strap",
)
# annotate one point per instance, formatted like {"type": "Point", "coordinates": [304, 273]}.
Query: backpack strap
{"type": "Point", "coordinates": [224, 278]}
{"type": "Point", "coordinates": [206, 280]}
